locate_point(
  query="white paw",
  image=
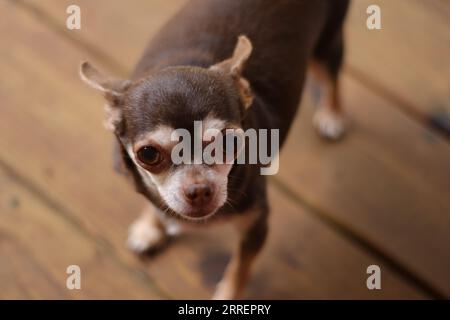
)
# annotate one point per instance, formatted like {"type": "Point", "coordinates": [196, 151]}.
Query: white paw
{"type": "Point", "coordinates": [224, 291]}
{"type": "Point", "coordinates": [329, 124]}
{"type": "Point", "coordinates": [173, 229]}
{"type": "Point", "coordinates": [144, 236]}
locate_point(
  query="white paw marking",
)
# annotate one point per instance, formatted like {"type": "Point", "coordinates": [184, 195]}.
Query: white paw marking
{"type": "Point", "coordinates": [329, 123]}
{"type": "Point", "coordinates": [143, 236]}
{"type": "Point", "coordinates": [225, 291]}
{"type": "Point", "coordinates": [173, 229]}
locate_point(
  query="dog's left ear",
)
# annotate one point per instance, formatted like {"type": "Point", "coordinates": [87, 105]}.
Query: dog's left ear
{"type": "Point", "coordinates": [112, 89]}
{"type": "Point", "coordinates": [234, 67]}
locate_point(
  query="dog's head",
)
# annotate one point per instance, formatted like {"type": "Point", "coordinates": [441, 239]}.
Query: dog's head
{"type": "Point", "coordinates": [150, 116]}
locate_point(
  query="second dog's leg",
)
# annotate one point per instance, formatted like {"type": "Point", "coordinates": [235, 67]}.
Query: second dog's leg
{"type": "Point", "coordinates": [148, 232]}
{"type": "Point", "coordinates": [253, 231]}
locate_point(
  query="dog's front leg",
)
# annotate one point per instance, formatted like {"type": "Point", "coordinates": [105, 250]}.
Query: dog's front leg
{"type": "Point", "coordinates": [148, 232]}
{"type": "Point", "coordinates": [252, 230]}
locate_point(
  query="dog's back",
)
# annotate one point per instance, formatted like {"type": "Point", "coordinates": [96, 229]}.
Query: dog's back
{"type": "Point", "coordinates": [285, 34]}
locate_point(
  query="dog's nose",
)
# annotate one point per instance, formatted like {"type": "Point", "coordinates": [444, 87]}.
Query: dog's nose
{"type": "Point", "coordinates": [198, 194]}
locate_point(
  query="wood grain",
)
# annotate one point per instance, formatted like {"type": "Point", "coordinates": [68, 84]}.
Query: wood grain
{"type": "Point", "coordinates": [388, 181]}
{"type": "Point", "coordinates": [409, 56]}
{"type": "Point", "coordinates": [37, 244]}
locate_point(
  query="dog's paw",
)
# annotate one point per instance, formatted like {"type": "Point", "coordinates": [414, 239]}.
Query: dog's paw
{"type": "Point", "coordinates": [143, 236]}
{"type": "Point", "coordinates": [329, 124]}
{"type": "Point", "coordinates": [225, 291]}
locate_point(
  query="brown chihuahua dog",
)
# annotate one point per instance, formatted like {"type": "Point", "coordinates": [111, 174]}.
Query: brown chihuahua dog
{"type": "Point", "coordinates": [230, 64]}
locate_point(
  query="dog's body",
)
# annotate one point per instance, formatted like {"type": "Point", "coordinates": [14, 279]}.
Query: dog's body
{"type": "Point", "coordinates": [186, 74]}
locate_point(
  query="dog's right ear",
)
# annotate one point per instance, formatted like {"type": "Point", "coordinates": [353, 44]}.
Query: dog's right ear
{"type": "Point", "coordinates": [112, 89]}
{"type": "Point", "coordinates": [234, 66]}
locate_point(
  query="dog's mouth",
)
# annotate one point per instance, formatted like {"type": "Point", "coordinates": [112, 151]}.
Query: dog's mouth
{"type": "Point", "coordinates": [198, 214]}
{"type": "Point", "coordinates": [195, 212]}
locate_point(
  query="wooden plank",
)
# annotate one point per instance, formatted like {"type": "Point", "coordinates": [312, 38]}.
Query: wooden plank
{"type": "Point", "coordinates": [22, 277]}
{"type": "Point", "coordinates": [409, 56]}
{"type": "Point", "coordinates": [314, 261]}
{"type": "Point", "coordinates": [53, 138]}
{"type": "Point", "coordinates": [37, 244]}
{"type": "Point", "coordinates": [127, 32]}
{"type": "Point", "coordinates": [389, 181]}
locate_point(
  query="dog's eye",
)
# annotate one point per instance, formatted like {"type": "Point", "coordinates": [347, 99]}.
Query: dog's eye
{"type": "Point", "coordinates": [149, 155]}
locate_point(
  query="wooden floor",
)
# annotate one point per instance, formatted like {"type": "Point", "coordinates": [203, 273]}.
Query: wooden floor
{"type": "Point", "coordinates": [381, 196]}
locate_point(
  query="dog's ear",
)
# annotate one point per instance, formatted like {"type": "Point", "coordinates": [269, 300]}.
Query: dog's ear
{"type": "Point", "coordinates": [112, 89]}
{"type": "Point", "coordinates": [234, 67]}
